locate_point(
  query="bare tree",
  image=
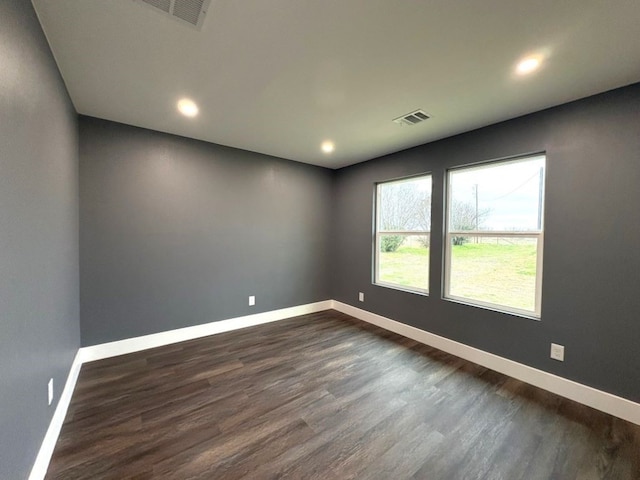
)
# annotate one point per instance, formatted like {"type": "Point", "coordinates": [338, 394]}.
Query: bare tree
{"type": "Point", "coordinates": [406, 207]}
{"type": "Point", "coordinates": [424, 218]}
{"type": "Point", "coordinates": [464, 216]}
{"type": "Point", "coordinates": [400, 206]}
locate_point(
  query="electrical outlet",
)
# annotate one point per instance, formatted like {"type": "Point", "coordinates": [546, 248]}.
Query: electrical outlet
{"type": "Point", "coordinates": [557, 352]}
{"type": "Point", "coordinates": [361, 296]}
{"type": "Point", "coordinates": [252, 300]}
{"type": "Point", "coordinates": [50, 390]}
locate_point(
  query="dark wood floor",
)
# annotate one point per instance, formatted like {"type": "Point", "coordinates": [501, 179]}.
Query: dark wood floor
{"type": "Point", "coordinates": [325, 396]}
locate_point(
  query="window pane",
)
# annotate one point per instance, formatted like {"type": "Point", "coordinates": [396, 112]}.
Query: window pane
{"type": "Point", "coordinates": [500, 271]}
{"type": "Point", "coordinates": [504, 196]}
{"type": "Point", "coordinates": [404, 260]}
{"type": "Point", "coordinates": [405, 205]}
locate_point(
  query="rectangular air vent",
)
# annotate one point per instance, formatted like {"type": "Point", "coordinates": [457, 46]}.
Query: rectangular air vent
{"type": "Point", "coordinates": [412, 118]}
{"type": "Point", "coordinates": [192, 12]}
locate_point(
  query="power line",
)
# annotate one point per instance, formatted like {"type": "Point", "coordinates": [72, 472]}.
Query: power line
{"type": "Point", "coordinates": [515, 189]}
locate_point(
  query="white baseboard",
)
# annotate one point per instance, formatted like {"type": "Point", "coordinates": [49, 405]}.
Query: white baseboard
{"type": "Point", "coordinates": [129, 345]}
{"type": "Point", "coordinates": [41, 464]}
{"type": "Point", "coordinates": [603, 401]}
{"type": "Point", "coordinates": [136, 344]}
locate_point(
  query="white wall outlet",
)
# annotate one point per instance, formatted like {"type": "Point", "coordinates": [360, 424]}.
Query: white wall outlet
{"type": "Point", "coordinates": [252, 300]}
{"type": "Point", "coordinates": [361, 296]}
{"type": "Point", "coordinates": [50, 390]}
{"type": "Point", "coordinates": [557, 352]}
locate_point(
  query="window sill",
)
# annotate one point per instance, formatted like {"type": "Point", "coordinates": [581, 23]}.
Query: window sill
{"type": "Point", "coordinates": [402, 288]}
{"type": "Point", "coordinates": [494, 308]}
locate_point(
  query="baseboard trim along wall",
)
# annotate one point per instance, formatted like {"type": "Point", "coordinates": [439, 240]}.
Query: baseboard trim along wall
{"type": "Point", "coordinates": [136, 344]}
{"type": "Point", "coordinates": [603, 401]}
{"type": "Point", "coordinates": [41, 464]}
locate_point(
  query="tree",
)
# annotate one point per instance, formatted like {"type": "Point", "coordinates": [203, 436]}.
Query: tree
{"type": "Point", "coordinates": [404, 206]}
{"type": "Point", "coordinates": [463, 216]}
{"type": "Point", "coordinates": [424, 218]}
{"type": "Point", "coordinates": [391, 243]}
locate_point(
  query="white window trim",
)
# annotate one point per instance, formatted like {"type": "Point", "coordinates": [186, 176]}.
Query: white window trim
{"type": "Point", "coordinates": [378, 234]}
{"type": "Point", "coordinates": [538, 234]}
{"type": "Point", "coordinates": [397, 286]}
{"type": "Point", "coordinates": [497, 306]}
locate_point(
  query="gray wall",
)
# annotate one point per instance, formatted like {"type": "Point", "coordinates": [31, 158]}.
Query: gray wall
{"type": "Point", "coordinates": [590, 300]}
{"type": "Point", "coordinates": [39, 326]}
{"type": "Point", "coordinates": [176, 232]}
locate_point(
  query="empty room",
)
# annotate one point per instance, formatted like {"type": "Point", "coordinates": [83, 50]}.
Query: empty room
{"type": "Point", "coordinates": [277, 239]}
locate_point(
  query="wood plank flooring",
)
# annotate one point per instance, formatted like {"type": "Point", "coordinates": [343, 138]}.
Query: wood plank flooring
{"type": "Point", "coordinates": [325, 396]}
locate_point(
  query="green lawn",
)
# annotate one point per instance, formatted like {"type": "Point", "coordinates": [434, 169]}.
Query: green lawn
{"type": "Point", "coordinates": [496, 273]}
{"type": "Point", "coordinates": [408, 266]}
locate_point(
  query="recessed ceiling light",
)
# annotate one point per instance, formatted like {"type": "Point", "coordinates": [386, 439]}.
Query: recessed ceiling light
{"type": "Point", "coordinates": [528, 65]}
{"type": "Point", "coordinates": [328, 146]}
{"type": "Point", "coordinates": [187, 107]}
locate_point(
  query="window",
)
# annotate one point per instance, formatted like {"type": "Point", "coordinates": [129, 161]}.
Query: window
{"type": "Point", "coordinates": [494, 235]}
{"type": "Point", "coordinates": [402, 234]}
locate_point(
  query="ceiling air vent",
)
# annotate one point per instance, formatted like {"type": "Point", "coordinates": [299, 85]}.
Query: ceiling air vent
{"type": "Point", "coordinates": [412, 118]}
{"type": "Point", "coordinates": [189, 11]}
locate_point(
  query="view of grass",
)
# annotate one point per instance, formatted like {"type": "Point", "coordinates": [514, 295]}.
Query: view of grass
{"type": "Point", "coordinates": [408, 266]}
{"type": "Point", "coordinates": [496, 273]}
{"type": "Point", "coordinates": [502, 272]}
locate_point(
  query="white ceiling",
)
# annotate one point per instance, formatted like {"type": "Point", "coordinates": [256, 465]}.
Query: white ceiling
{"type": "Point", "coordinates": [281, 76]}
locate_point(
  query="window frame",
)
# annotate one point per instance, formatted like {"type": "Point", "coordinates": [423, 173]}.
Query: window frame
{"type": "Point", "coordinates": [537, 234]}
{"type": "Point", "coordinates": [377, 235]}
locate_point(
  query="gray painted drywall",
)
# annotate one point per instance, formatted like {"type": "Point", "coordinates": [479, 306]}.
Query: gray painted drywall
{"type": "Point", "coordinates": [175, 232]}
{"type": "Point", "coordinates": [590, 300]}
{"type": "Point", "coordinates": [39, 319]}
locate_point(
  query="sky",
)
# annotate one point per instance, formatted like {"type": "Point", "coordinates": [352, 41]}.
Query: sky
{"type": "Point", "coordinates": [509, 192]}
